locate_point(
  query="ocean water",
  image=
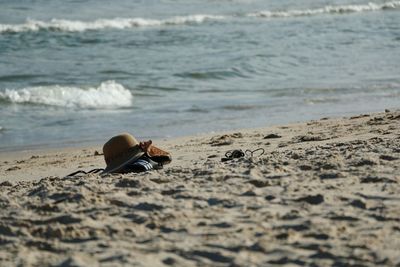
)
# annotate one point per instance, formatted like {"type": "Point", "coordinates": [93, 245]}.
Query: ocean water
{"type": "Point", "coordinates": [77, 72]}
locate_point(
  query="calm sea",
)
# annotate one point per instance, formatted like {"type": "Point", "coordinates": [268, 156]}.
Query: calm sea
{"type": "Point", "coordinates": [76, 72]}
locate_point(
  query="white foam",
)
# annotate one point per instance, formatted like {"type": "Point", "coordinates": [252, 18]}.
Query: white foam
{"type": "Point", "coordinates": [117, 23]}
{"type": "Point", "coordinates": [32, 25]}
{"type": "Point", "coordinates": [108, 94]}
{"type": "Point", "coordinates": [327, 10]}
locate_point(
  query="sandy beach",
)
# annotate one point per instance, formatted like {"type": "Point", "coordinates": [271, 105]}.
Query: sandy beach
{"type": "Point", "coordinates": [324, 193]}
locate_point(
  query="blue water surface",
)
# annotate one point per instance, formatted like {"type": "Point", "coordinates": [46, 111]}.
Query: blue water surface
{"type": "Point", "coordinates": [190, 66]}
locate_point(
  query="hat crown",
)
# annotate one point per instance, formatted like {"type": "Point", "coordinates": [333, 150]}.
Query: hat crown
{"type": "Point", "coordinates": [118, 146]}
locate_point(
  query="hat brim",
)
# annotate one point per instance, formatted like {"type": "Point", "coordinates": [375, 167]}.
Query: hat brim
{"type": "Point", "coordinates": [119, 164]}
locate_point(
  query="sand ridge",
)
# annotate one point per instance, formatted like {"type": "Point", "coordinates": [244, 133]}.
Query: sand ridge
{"type": "Point", "coordinates": [325, 193]}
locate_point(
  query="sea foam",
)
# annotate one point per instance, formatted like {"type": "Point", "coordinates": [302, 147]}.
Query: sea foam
{"type": "Point", "coordinates": [63, 25]}
{"type": "Point", "coordinates": [117, 23]}
{"type": "Point", "coordinates": [108, 94]}
{"type": "Point", "coordinates": [327, 10]}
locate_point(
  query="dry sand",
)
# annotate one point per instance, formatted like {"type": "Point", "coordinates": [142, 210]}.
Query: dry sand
{"type": "Point", "coordinates": [325, 193]}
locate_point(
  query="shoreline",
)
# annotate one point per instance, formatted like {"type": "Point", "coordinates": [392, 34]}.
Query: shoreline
{"type": "Point", "coordinates": [88, 143]}
{"type": "Point", "coordinates": [324, 193]}
{"type": "Point", "coordinates": [17, 157]}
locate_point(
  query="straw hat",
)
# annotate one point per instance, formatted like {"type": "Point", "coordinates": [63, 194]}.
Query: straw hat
{"type": "Point", "coordinates": [119, 151]}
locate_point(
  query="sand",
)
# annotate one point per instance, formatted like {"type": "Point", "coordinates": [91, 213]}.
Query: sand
{"type": "Point", "coordinates": [324, 193]}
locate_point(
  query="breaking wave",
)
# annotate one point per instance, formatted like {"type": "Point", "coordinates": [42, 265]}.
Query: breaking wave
{"type": "Point", "coordinates": [108, 94]}
{"type": "Point", "coordinates": [63, 25]}
{"type": "Point", "coordinates": [327, 10]}
{"type": "Point", "coordinates": [117, 23]}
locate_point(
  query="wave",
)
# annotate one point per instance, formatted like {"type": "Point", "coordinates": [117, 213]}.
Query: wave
{"type": "Point", "coordinates": [220, 75]}
{"type": "Point", "coordinates": [117, 23]}
{"type": "Point", "coordinates": [327, 10]}
{"type": "Point", "coordinates": [62, 25]}
{"type": "Point", "coordinates": [108, 94]}
{"type": "Point", "coordinates": [19, 77]}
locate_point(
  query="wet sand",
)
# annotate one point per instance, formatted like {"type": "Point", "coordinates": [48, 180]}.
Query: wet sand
{"type": "Point", "coordinates": [324, 193]}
